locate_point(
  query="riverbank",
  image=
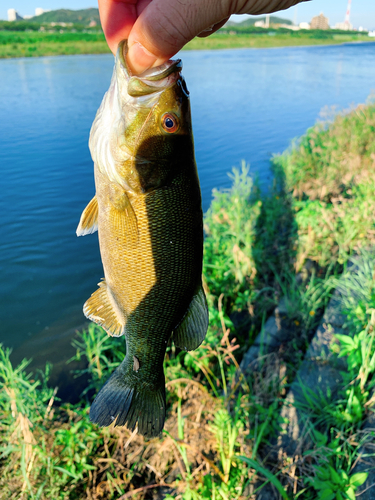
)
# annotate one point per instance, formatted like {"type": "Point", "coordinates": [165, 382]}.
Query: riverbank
{"type": "Point", "coordinates": [276, 38]}
{"type": "Point", "coordinates": [36, 44]}
{"type": "Point", "coordinates": [291, 244]}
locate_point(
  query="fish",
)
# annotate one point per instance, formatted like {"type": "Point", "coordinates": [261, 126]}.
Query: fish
{"type": "Point", "coordinates": [147, 210]}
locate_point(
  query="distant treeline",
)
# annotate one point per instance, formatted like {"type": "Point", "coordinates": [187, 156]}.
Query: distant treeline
{"type": "Point", "coordinates": [38, 26]}
{"type": "Point", "coordinates": [76, 19]}
{"type": "Point", "coordinates": [272, 30]}
{"type": "Point", "coordinates": [30, 25]}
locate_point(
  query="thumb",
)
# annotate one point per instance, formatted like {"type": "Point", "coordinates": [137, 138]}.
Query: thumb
{"type": "Point", "coordinates": [165, 26]}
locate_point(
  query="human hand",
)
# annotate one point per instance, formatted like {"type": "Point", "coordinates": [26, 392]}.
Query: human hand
{"type": "Point", "coordinates": [157, 29]}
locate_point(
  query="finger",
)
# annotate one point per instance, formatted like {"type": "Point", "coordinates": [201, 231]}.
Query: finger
{"type": "Point", "coordinates": [256, 7]}
{"type": "Point", "coordinates": [212, 29]}
{"type": "Point", "coordinates": [165, 26]}
{"type": "Point", "coordinates": [117, 19]}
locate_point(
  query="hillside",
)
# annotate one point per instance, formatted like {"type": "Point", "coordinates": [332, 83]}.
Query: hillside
{"type": "Point", "coordinates": [250, 21]}
{"type": "Point", "coordinates": [83, 16]}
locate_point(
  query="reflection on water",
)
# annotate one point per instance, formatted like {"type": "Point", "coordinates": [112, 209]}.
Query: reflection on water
{"type": "Point", "coordinates": [246, 104]}
{"type": "Point", "coordinates": [23, 78]}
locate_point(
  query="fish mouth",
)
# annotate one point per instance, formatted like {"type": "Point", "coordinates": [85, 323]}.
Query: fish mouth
{"type": "Point", "coordinates": [152, 80]}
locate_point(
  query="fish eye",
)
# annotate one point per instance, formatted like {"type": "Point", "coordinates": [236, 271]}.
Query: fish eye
{"type": "Point", "coordinates": [169, 123]}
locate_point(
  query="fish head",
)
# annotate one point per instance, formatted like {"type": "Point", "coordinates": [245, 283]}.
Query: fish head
{"type": "Point", "coordinates": [149, 141]}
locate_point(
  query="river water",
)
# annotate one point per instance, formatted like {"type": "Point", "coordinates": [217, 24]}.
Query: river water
{"type": "Point", "coordinates": [246, 104]}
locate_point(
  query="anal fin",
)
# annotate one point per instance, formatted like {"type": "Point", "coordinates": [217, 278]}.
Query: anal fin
{"type": "Point", "coordinates": [191, 332]}
{"type": "Point", "coordinates": [88, 222]}
{"type": "Point", "coordinates": [98, 308]}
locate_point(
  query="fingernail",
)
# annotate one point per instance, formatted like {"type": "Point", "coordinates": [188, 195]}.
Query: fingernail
{"type": "Point", "coordinates": [139, 59]}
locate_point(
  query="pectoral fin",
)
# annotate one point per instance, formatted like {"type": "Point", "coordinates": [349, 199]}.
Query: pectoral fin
{"type": "Point", "coordinates": [99, 309]}
{"type": "Point", "coordinates": [88, 223]}
{"type": "Point", "coordinates": [191, 332]}
{"type": "Point", "coordinates": [124, 215]}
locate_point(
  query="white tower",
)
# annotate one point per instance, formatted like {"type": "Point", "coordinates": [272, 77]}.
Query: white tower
{"type": "Point", "coordinates": [347, 17]}
{"type": "Point", "coordinates": [13, 15]}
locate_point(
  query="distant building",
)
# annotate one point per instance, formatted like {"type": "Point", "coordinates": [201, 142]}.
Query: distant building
{"type": "Point", "coordinates": [13, 15]}
{"type": "Point", "coordinates": [319, 22]}
{"type": "Point", "coordinates": [61, 24]}
{"type": "Point", "coordinates": [371, 33]}
{"type": "Point", "coordinates": [344, 26]}
{"type": "Point", "coordinates": [289, 27]}
{"type": "Point", "coordinates": [304, 26]}
{"type": "Point", "coordinates": [92, 23]}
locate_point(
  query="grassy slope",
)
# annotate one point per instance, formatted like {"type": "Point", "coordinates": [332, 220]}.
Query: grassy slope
{"type": "Point", "coordinates": [31, 44]}
{"type": "Point", "coordinates": [331, 173]}
{"type": "Point", "coordinates": [253, 247]}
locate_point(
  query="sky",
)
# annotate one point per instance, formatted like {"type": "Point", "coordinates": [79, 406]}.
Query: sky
{"type": "Point", "coordinates": [363, 11]}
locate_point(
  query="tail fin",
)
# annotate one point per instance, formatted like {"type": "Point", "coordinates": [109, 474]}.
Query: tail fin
{"type": "Point", "coordinates": [130, 405]}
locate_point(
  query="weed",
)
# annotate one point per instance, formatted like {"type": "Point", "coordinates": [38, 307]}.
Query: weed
{"type": "Point", "coordinates": [103, 354]}
{"type": "Point", "coordinates": [332, 484]}
{"type": "Point", "coordinates": [330, 173]}
{"type": "Point", "coordinates": [75, 445]}
{"type": "Point", "coordinates": [304, 301]}
{"type": "Point", "coordinates": [228, 266]}
{"type": "Point", "coordinates": [265, 472]}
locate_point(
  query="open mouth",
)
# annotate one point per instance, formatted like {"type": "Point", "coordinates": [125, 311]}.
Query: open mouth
{"type": "Point", "coordinates": [153, 79]}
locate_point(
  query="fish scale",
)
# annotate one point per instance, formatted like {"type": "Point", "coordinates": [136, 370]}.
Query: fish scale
{"type": "Point", "coordinates": [147, 210]}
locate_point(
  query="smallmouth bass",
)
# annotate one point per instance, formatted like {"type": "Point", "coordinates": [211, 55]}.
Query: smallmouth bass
{"type": "Point", "coordinates": [147, 210]}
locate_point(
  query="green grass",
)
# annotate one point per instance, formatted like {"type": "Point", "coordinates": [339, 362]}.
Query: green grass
{"type": "Point", "coordinates": [292, 243]}
{"type": "Point", "coordinates": [33, 43]}
{"type": "Point", "coordinates": [330, 174]}
{"type": "Point", "coordinates": [229, 267]}
{"type": "Point", "coordinates": [276, 38]}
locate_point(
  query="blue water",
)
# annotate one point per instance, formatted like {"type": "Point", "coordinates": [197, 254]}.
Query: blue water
{"type": "Point", "coordinates": [246, 104]}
